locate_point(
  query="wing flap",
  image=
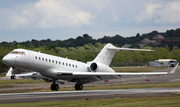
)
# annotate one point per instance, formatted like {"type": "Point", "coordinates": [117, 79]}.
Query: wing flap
{"type": "Point", "coordinates": [116, 74]}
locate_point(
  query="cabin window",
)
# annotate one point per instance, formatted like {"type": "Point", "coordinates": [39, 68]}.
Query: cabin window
{"type": "Point", "coordinates": [56, 62]}
{"type": "Point", "coordinates": [49, 60]}
{"type": "Point", "coordinates": [53, 61]}
{"type": "Point", "coordinates": [63, 63]}
{"type": "Point", "coordinates": [46, 60]}
{"type": "Point", "coordinates": [69, 64]}
{"type": "Point", "coordinates": [35, 57]}
{"type": "Point", "coordinates": [43, 59]}
{"type": "Point", "coordinates": [73, 65]}
{"type": "Point", "coordinates": [76, 66]}
{"type": "Point", "coordinates": [59, 62]}
{"type": "Point", "coordinates": [66, 64]}
{"type": "Point", "coordinates": [39, 58]}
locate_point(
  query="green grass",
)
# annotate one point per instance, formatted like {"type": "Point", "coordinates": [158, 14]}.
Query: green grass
{"type": "Point", "coordinates": [8, 83]}
{"type": "Point", "coordinates": [112, 102]}
{"type": "Point", "coordinates": [18, 81]}
{"type": "Point", "coordinates": [3, 74]}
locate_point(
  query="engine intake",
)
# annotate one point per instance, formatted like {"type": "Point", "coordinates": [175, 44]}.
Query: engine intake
{"type": "Point", "coordinates": [94, 67]}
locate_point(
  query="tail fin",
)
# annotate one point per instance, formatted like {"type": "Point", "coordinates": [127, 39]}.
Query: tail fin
{"type": "Point", "coordinates": [106, 55]}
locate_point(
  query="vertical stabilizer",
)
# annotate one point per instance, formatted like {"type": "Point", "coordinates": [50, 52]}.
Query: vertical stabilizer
{"type": "Point", "coordinates": [106, 55]}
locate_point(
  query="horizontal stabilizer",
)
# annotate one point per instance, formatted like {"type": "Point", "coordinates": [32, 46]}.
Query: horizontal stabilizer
{"type": "Point", "coordinates": [26, 75]}
{"type": "Point", "coordinates": [114, 48]}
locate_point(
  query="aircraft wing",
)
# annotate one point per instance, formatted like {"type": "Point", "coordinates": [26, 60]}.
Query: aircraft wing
{"type": "Point", "coordinates": [87, 77]}
{"type": "Point", "coordinates": [114, 74]}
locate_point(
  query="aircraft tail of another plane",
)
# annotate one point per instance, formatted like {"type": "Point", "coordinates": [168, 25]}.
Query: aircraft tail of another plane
{"type": "Point", "coordinates": [107, 53]}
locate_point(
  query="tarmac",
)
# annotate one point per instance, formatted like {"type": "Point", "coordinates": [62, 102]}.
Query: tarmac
{"type": "Point", "coordinates": [93, 94]}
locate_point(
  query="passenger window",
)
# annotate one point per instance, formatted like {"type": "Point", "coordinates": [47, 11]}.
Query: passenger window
{"type": "Point", "coordinates": [59, 62]}
{"type": "Point", "coordinates": [53, 61]}
{"type": "Point", "coordinates": [49, 60]}
{"type": "Point", "coordinates": [63, 63]}
{"type": "Point", "coordinates": [43, 59]}
{"type": "Point", "coordinates": [35, 57]}
{"type": "Point", "coordinates": [39, 58]}
{"type": "Point", "coordinates": [66, 64]}
{"type": "Point", "coordinates": [70, 65]}
{"type": "Point", "coordinates": [76, 66]}
{"type": "Point", "coordinates": [73, 65]}
{"type": "Point", "coordinates": [46, 60]}
{"type": "Point", "coordinates": [56, 62]}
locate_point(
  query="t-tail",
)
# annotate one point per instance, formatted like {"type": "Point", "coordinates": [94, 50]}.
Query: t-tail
{"type": "Point", "coordinates": [107, 53]}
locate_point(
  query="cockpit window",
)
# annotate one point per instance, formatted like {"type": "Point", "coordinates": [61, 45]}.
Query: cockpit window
{"type": "Point", "coordinates": [18, 52]}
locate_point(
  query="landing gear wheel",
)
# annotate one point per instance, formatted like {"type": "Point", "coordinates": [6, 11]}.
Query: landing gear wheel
{"type": "Point", "coordinates": [13, 77]}
{"type": "Point", "coordinates": [54, 87]}
{"type": "Point", "coordinates": [78, 86]}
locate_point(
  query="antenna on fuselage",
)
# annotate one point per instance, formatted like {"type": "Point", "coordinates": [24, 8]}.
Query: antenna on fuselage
{"type": "Point", "coordinates": [39, 51]}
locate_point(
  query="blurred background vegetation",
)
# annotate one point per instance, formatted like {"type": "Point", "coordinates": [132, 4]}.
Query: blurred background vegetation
{"type": "Point", "coordinates": [84, 48]}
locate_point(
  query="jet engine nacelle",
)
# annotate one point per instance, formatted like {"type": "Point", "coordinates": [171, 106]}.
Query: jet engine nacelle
{"type": "Point", "coordinates": [99, 67]}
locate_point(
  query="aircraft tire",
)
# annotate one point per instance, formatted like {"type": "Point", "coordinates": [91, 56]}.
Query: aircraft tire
{"type": "Point", "coordinates": [79, 87]}
{"type": "Point", "coordinates": [56, 87]}
{"type": "Point", "coordinates": [13, 77]}
{"type": "Point", "coordinates": [52, 87]}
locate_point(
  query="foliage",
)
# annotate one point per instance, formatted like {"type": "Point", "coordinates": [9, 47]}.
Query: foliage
{"type": "Point", "coordinates": [86, 39]}
{"type": "Point", "coordinates": [84, 48]}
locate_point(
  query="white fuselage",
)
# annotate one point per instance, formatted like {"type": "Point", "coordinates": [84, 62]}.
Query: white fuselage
{"type": "Point", "coordinates": [47, 65]}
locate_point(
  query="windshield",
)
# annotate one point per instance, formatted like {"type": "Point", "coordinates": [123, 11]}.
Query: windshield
{"type": "Point", "coordinates": [18, 52]}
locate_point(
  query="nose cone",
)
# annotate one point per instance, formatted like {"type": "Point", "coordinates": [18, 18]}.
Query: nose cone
{"type": "Point", "coordinates": [7, 60]}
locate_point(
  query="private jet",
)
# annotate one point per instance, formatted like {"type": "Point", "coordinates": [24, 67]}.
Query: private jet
{"type": "Point", "coordinates": [59, 70]}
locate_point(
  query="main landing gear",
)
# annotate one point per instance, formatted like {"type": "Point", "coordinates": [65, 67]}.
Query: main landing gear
{"type": "Point", "coordinates": [54, 86]}
{"type": "Point", "coordinates": [78, 86]}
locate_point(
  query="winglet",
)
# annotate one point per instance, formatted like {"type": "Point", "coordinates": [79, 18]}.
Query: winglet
{"type": "Point", "coordinates": [174, 69]}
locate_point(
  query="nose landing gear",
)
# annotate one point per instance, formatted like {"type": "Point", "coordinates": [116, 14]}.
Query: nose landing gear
{"type": "Point", "coordinates": [13, 77]}
{"type": "Point", "coordinates": [13, 73]}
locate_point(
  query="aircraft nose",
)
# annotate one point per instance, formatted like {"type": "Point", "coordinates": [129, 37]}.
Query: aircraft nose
{"type": "Point", "coordinates": [6, 60]}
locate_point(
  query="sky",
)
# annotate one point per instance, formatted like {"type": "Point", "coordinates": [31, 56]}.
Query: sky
{"type": "Point", "coordinates": [22, 20]}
